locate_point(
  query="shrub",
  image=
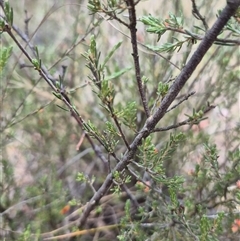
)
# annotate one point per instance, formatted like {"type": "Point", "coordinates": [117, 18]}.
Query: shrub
{"type": "Point", "coordinates": [119, 123]}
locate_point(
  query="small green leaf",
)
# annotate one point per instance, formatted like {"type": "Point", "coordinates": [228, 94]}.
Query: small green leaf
{"type": "Point", "coordinates": [199, 28]}
{"type": "Point", "coordinates": [58, 95]}
{"type": "Point", "coordinates": [81, 177]}
{"type": "Point", "coordinates": [117, 74]}
{"type": "Point", "coordinates": [94, 6]}
{"type": "Point", "coordinates": [4, 55]}
{"type": "Point", "coordinates": [8, 13]}
{"type": "Point", "coordinates": [92, 47]}
{"type": "Point", "coordinates": [35, 63]}
{"type": "Point", "coordinates": [110, 54]}
{"type": "Point", "coordinates": [75, 109]}
{"type": "Point", "coordinates": [58, 85]}
{"type": "Point", "coordinates": [62, 108]}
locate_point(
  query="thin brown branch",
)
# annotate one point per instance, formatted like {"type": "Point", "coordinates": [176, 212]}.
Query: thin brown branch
{"type": "Point", "coordinates": [133, 32]}
{"type": "Point", "coordinates": [29, 114]}
{"type": "Point", "coordinates": [174, 126]}
{"type": "Point", "coordinates": [26, 21]}
{"type": "Point", "coordinates": [218, 41]}
{"type": "Point", "coordinates": [198, 15]}
{"type": "Point", "coordinates": [118, 126]}
{"type": "Point", "coordinates": [185, 122]}
{"type": "Point", "coordinates": [112, 15]}
{"type": "Point", "coordinates": [131, 196]}
{"type": "Point", "coordinates": [180, 102]}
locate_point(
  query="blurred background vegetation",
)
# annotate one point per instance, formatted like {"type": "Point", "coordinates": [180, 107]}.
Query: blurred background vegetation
{"type": "Point", "coordinates": [44, 150]}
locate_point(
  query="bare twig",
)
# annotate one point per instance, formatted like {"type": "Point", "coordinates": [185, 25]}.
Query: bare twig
{"type": "Point", "coordinates": [131, 196]}
{"type": "Point", "coordinates": [218, 41]}
{"type": "Point", "coordinates": [29, 114]}
{"type": "Point", "coordinates": [73, 160]}
{"type": "Point", "coordinates": [118, 126]}
{"type": "Point", "coordinates": [185, 122]}
{"type": "Point", "coordinates": [26, 21]}
{"type": "Point", "coordinates": [82, 232]}
{"type": "Point", "coordinates": [22, 203]}
{"type": "Point", "coordinates": [180, 102]}
{"type": "Point", "coordinates": [133, 31]}
{"type": "Point", "coordinates": [113, 15]}
{"type": "Point", "coordinates": [198, 15]}
{"type": "Point", "coordinates": [174, 126]}
{"type": "Point", "coordinates": [80, 141]}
